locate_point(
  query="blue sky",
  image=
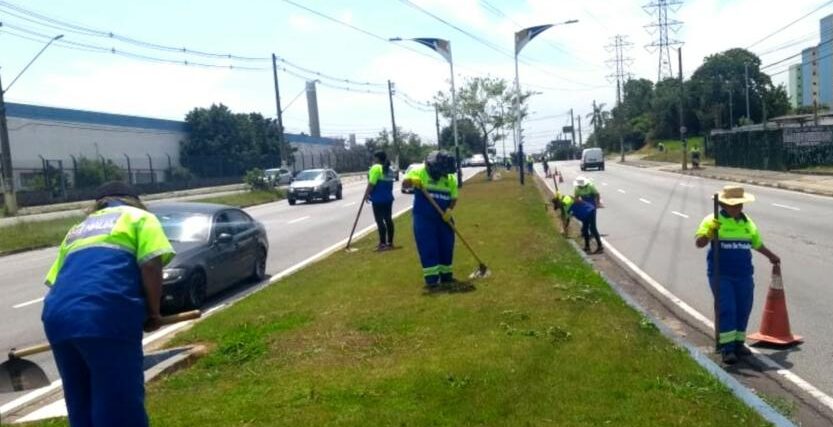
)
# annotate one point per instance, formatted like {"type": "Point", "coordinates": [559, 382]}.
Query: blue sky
{"type": "Point", "coordinates": [566, 64]}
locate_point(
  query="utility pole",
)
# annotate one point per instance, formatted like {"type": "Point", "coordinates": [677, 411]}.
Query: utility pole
{"type": "Point", "coordinates": [731, 107]}
{"type": "Point", "coordinates": [682, 115]}
{"type": "Point", "coordinates": [573, 127]}
{"type": "Point", "coordinates": [393, 122]}
{"type": "Point", "coordinates": [746, 79]}
{"type": "Point", "coordinates": [7, 176]}
{"type": "Point", "coordinates": [596, 122]}
{"type": "Point", "coordinates": [437, 118]}
{"type": "Point", "coordinates": [580, 139]}
{"type": "Point", "coordinates": [278, 106]}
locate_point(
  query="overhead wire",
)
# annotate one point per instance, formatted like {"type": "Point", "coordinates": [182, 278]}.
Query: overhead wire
{"type": "Point", "coordinates": [826, 3]}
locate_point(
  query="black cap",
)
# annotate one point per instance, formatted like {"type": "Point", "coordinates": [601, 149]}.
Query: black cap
{"type": "Point", "coordinates": [115, 189]}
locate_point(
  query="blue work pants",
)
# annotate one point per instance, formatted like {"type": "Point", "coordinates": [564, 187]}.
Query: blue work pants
{"type": "Point", "coordinates": [734, 306]}
{"type": "Point", "coordinates": [103, 381]}
{"type": "Point", "coordinates": [435, 244]}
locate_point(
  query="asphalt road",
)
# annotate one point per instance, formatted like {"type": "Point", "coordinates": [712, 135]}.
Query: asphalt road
{"type": "Point", "coordinates": [651, 217]}
{"type": "Point", "coordinates": [295, 234]}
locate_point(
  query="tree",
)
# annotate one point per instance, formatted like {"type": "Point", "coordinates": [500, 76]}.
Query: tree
{"type": "Point", "coordinates": [488, 103]}
{"type": "Point", "coordinates": [411, 149]}
{"type": "Point", "coordinates": [469, 138]}
{"type": "Point", "coordinates": [91, 173]}
{"type": "Point", "coordinates": [224, 143]}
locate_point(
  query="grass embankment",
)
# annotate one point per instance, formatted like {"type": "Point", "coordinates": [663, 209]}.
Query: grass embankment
{"type": "Point", "coordinates": [673, 151]}
{"type": "Point", "coordinates": [36, 234]}
{"type": "Point", "coordinates": [246, 199]}
{"type": "Point", "coordinates": [352, 340]}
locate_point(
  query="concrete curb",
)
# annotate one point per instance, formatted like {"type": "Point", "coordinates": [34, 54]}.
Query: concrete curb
{"type": "Point", "coordinates": [739, 390]}
{"type": "Point", "coordinates": [759, 183]}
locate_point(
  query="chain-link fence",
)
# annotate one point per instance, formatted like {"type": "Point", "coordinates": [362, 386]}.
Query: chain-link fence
{"type": "Point", "coordinates": [46, 181]}
{"type": "Point", "coordinates": [773, 149]}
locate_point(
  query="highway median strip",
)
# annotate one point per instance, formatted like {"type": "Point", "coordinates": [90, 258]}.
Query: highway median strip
{"type": "Point", "coordinates": [352, 340]}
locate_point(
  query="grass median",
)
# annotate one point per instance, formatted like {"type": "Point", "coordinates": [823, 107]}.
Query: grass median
{"type": "Point", "coordinates": [673, 151]}
{"type": "Point", "coordinates": [246, 198]}
{"type": "Point", "coordinates": [354, 341]}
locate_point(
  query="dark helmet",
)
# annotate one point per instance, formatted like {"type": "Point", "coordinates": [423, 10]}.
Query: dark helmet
{"type": "Point", "coordinates": [439, 164]}
{"type": "Point", "coordinates": [116, 189]}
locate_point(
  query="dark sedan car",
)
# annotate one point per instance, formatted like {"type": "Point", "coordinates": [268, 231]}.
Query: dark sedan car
{"type": "Point", "coordinates": [216, 247]}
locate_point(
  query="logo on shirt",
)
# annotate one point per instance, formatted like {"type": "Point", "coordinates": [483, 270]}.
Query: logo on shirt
{"type": "Point", "coordinates": [94, 226]}
{"type": "Point", "coordinates": [736, 245]}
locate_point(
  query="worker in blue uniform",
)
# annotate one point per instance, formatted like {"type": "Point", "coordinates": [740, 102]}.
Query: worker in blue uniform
{"type": "Point", "coordinates": [738, 235]}
{"type": "Point", "coordinates": [434, 237]}
{"type": "Point", "coordinates": [379, 193]}
{"type": "Point", "coordinates": [105, 289]}
{"type": "Point", "coordinates": [584, 191]}
{"type": "Point", "coordinates": [572, 207]}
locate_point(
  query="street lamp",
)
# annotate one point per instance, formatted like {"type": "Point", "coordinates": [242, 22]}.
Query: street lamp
{"type": "Point", "coordinates": [443, 47]}
{"type": "Point", "coordinates": [6, 176]}
{"type": "Point", "coordinates": [521, 39]}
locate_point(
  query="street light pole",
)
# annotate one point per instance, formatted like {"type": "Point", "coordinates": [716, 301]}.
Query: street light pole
{"type": "Point", "coordinates": [7, 175]}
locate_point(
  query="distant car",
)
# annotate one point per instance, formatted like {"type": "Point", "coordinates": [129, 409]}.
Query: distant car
{"type": "Point", "coordinates": [592, 158]}
{"type": "Point", "coordinates": [314, 184]}
{"type": "Point", "coordinates": [477, 160]}
{"type": "Point", "coordinates": [278, 176]}
{"type": "Point", "coordinates": [216, 247]}
{"type": "Point", "coordinates": [407, 171]}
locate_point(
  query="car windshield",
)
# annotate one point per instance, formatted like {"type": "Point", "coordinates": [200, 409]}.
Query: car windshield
{"type": "Point", "coordinates": [308, 176]}
{"type": "Point", "coordinates": [185, 226]}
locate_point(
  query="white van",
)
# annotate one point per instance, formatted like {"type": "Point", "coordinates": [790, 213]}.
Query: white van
{"type": "Point", "coordinates": [592, 158]}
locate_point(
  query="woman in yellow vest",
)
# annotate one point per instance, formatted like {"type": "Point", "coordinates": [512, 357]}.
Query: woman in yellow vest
{"type": "Point", "coordinates": [105, 289]}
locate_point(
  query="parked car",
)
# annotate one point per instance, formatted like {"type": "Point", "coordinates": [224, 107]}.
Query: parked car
{"type": "Point", "coordinates": [592, 158]}
{"type": "Point", "coordinates": [315, 184]}
{"type": "Point", "coordinates": [477, 160]}
{"type": "Point", "coordinates": [216, 247]}
{"type": "Point", "coordinates": [407, 171]}
{"type": "Point", "coordinates": [278, 176]}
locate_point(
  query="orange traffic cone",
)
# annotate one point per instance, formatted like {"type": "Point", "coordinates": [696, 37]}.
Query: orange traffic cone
{"type": "Point", "coordinates": [775, 324]}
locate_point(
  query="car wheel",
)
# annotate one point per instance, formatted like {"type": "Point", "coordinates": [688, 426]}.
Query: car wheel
{"type": "Point", "coordinates": [602, 168]}
{"type": "Point", "coordinates": [339, 196]}
{"type": "Point", "coordinates": [291, 202]}
{"type": "Point", "coordinates": [326, 196]}
{"type": "Point", "coordinates": [196, 292]}
{"type": "Point", "coordinates": [259, 267]}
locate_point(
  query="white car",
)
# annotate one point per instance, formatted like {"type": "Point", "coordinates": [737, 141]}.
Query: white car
{"type": "Point", "coordinates": [592, 158]}
{"type": "Point", "coordinates": [278, 176]}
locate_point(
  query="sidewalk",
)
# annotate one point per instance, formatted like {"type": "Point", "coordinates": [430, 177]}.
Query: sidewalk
{"type": "Point", "coordinates": [805, 183]}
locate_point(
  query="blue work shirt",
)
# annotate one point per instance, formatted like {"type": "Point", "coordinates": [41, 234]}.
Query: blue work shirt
{"type": "Point", "coordinates": [443, 191]}
{"type": "Point", "coordinates": [737, 239]}
{"type": "Point", "coordinates": [382, 184]}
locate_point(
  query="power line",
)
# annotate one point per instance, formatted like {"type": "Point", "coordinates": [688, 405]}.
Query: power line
{"type": "Point", "coordinates": [790, 24]}
{"type": "Point", "coordinates": [794, 56]}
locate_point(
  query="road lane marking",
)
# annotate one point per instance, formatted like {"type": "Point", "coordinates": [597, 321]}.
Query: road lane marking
{"type": "Point", "coordinates": [605, 184]}
{"type": "Point", "coordinates": [621, 191]}
{"type": "Point", "coordinates": [347, 205]}
{"type": "Point", "coordinates": [298, 219]}
{"type": "Point", "coordinates": [679, 214]}
{"type": "Point", "coordinates": [792, 208]}
{"type": "Point", "coordinates": [646, 201]}
{"type": "Point", "coordinates": [24, 304]}
{"type": "Point", "coordinates": [686, 185]}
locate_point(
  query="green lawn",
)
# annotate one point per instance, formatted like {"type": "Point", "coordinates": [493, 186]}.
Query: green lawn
{"type": "Point", "coordinates": [354, 341]}
{"type": "Point", "coordinates": [32, 235]}
{"type": "Point", "coordinates": [673, 151]}
{"type": "Point", "coordinates": [245, 199]}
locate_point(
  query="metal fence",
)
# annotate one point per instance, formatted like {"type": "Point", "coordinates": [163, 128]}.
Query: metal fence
{"type": "Point", "coordinates": [47, 181]}
{"type": "Point", "coordinates": [773, 149]}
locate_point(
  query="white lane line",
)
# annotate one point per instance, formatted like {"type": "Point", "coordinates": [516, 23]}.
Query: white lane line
{"type": "Point", "coordinates": [298, 219]}
{"type": "Point", "coordinates": [605, 184]}
{"type": "Point", "coordinates": [24, 304]}
{"type": "Point", "coordinates": [679, 214]}
{"type": "Point", "coordinates": [646, 201]}
{"type": "Point", "coordinates": [621, 191]}
{"type": "Point", "coordinates": [686, 185]}
{"type": "Point", "coordinates": [347, 205]}
{"type": "Point", "coordinates": [792, 208]}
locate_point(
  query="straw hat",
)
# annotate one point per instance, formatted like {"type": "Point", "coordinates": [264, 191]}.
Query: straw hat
{"type": "Point", "coordinates": [580, 181]}
{"type": "Point", "coordinates": [734, 195]}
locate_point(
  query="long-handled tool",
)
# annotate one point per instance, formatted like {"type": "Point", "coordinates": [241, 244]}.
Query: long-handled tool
{"type": "Point", "coordinates": [355, 223]}
{"type": "Point", "coordinates": [18, 374]}
{"type": "Point", "coordinates": [716, 276]}
{"type": "Point", "coordinates": [482, 270]}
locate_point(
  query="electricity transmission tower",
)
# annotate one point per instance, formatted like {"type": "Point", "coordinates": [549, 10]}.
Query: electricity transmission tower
{"type": "Point", "coordinates": [619, 63]}
{"type": "Point", "coordinates": [660, 26]}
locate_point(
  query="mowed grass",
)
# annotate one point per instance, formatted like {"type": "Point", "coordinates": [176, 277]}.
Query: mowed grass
{"type": "Point", "coordinates": [674, 152]}
{"type": "Point", "coordinates": [245, 199]}
{"type": "Point", "coordinates": [36, 234]}
{"type": "Point", "coordinates": [354, 341]}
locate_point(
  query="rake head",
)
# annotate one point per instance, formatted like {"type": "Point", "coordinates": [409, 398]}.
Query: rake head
{"type": "Point", "coordinates": [482, 272]}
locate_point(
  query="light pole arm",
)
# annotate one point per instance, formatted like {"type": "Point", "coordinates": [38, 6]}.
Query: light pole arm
{"type": "Point", "coordinates": [31, 62]}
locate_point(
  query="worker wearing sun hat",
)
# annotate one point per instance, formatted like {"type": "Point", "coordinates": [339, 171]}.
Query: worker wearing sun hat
{"type": "Point", "coordinates": [738, 236]}
{"type": "Point", "coordinates": [584, 191]}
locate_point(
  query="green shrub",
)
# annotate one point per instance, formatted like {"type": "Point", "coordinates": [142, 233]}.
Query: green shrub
{"type": "Point", "coordinates": [256, 180]}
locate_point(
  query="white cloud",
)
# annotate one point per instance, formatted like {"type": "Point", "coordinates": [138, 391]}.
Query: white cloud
{"type": "Point", "coordinates": [303, 23]}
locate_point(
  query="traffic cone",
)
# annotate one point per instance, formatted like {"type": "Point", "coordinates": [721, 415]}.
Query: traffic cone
{"type": "Point", "coordinates": [775, 324]}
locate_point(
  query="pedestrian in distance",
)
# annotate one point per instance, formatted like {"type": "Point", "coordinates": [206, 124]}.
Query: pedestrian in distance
{"type": "Point", "coordinates": [379, 193]}
{"type": "Point", "coordinates": [105, 288]}
{"type": "Point", "coordinates": [584, 191]}
{"type": "Point", "coordinates": [434, 237]}
{"type": "Point", "coordinates": [546, 166]}
{"type": "Point", "coordinates": [529, 164]}
{"type": "Point", "coordinates": [695, 157]}
{"type": "Point", "coordinates": [738, 235]}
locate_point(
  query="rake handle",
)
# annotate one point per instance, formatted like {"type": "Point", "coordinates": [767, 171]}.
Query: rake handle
{"type": "Point", "coordinates": [356, 222]}
{"type": "Point", "coordinates": [44, 347]}
{"type": "Point", "coordinates": [450, 224]}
